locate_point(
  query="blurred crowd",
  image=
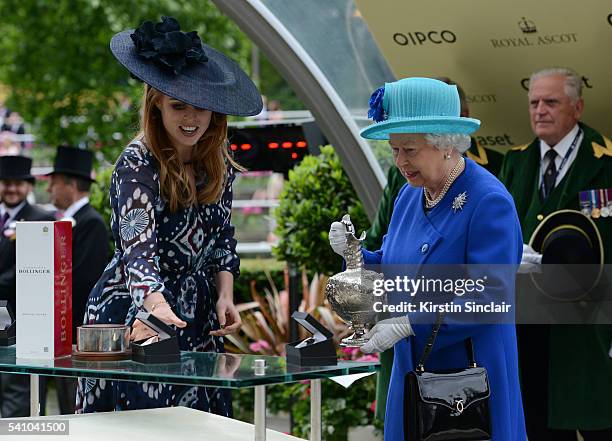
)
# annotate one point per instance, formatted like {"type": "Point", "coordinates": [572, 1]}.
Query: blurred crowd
{"type": "Point", "coordinates": [12, 132]}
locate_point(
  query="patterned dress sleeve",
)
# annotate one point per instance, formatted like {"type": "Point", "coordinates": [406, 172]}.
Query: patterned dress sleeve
{"type": "Point", "coordinates": [137, 187]}
{"type": "Point", "coordinates": [224, 257]}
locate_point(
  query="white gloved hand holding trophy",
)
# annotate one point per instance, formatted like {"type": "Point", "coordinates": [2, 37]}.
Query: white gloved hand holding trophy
{"type": "Point", "coordinates": [385, 333]}
{"type": "Point", "coordinates": [337, 235]}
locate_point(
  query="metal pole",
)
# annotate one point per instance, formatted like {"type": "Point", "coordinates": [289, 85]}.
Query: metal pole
{"type": "Point", "coordinates": [34, 397]}
{"type": "Point", "coordinates": [260, 413]}
{"type": "Point", "coordinates": [295, 298]}
{"type": "Point", "coordinates": [315, 410]}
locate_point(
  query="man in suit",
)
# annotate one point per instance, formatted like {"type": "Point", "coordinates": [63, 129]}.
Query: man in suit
{"type": "Point", "coordinates": [69, 185]}
{"type": "Point", "coordinates": [487, 158]}
{"type": "Point", "coordinates": [15, 184]}
{"type": "Point", "coordinates": [565, 369]}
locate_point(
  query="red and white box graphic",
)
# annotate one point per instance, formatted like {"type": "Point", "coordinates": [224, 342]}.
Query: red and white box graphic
{"type": "Point", "coordinates": [44, 289]}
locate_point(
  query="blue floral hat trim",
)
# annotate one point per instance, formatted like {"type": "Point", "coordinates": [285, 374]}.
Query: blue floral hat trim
{"type": "Point", "coordinates": [377, 112]}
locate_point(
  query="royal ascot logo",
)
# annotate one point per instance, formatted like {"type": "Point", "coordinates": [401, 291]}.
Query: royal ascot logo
{"type": "Point", "coordinates": [527, 26]}
{"type": "Point", "coordinates": [45, 229]}
{"type": "Point", "coordinates": [421, 38]}
{"type": "Point", "coordinates": [529, 29]}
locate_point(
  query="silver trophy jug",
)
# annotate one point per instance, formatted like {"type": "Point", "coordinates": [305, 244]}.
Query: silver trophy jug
{"type": "Point", "coordinates": [351, 292]}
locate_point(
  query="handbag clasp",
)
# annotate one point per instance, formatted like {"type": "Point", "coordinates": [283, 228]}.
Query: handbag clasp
{"type": "Point", "coordinates": [459, 406]}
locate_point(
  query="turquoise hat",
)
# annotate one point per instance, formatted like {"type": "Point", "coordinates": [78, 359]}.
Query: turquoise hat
{"type": "Point", "coordinates": [417, 105]}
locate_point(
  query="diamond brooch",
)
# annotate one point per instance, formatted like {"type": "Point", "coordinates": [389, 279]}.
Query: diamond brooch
{"type": "Point", "coordinates": [459, 201]}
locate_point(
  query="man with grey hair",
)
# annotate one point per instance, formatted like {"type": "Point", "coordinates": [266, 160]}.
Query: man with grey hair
{"type": "Point", "coordinates": [566, 373]}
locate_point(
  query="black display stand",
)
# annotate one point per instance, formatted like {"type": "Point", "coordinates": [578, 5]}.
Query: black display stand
{"type": "Point", "coordinates": [165, 350]}
{"type": "Point", "coordinates": [318, 350]}
{"type": "Point", "coordinates": [8, 325]}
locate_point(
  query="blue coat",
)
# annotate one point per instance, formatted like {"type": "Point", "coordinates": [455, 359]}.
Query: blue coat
{"type": "Point", "coordinates": [485, 231]}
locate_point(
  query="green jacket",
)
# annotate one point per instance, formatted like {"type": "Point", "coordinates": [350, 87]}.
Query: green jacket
{"type": "Point", "coordinates": [489, 159]}
{"type": "Point", "coordinates": [580, 375]}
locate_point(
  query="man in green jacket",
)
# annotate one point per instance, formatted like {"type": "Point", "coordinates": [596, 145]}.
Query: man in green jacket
{"type": "Point", "coordinates": [566, 372]}
{"type": "Point", "coordinates": [489, 159]}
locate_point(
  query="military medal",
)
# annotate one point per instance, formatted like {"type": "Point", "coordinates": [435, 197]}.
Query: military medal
{"type": "Point", "coordinates": [585, 204]}
{"type": "Point", "coordinates": [605, 203]}
{"type": "Point", "coordinates": [595, 211]}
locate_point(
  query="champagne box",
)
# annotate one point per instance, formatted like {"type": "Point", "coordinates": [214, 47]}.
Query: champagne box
{"type": "Point", "coordinates": [44, 289]}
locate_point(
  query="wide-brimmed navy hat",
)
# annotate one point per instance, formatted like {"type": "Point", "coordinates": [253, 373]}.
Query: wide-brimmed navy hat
{"type": "Point", "coordinates": [179, 65]}
{"type": "Point", "coordinates": [72, 161]}
{"type": "Point", "coordinates": [16, 168]}
{"type": "Point", "coordinates": [417, 105]}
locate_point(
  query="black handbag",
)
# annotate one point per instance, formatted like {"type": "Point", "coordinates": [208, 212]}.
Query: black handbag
{"type": "Point", "coordinates": [447, 405]}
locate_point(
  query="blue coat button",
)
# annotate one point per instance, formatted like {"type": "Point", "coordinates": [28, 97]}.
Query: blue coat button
{"type": "Point", "coordinates": [424, 248]}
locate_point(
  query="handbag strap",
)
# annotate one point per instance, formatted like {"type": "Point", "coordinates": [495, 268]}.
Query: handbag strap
{"type": "Point", "coordinates": [469, 347]}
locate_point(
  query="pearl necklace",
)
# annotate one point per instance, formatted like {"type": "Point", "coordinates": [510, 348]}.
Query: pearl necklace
{"type": "Point", "coordinates": [430, 203]}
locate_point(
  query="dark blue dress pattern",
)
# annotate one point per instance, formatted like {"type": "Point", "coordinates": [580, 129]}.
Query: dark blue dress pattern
{"type": "Point", "coordinates": [177, 254]}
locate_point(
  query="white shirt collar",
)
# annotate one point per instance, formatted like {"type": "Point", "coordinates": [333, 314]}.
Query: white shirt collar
{"type": "Point", "coordinates": [12, 211]}
{"type": "Point", "coordinates": [76, 206]}
{"type": "Point", "coordinates": [562, 146]}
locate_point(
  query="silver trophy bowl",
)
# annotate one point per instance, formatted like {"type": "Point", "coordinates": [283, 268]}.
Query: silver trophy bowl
{"type": "Point", "coordinates": [351, 292]}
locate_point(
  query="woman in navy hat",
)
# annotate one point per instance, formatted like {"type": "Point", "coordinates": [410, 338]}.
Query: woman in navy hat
{"type": "Point", "coordinates": [171, 198]}
{"type": "Point", "coordinates": [452, 212]}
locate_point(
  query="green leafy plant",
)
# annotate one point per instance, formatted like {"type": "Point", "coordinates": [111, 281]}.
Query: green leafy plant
{"type": "Point", "coordinates": [75, 92]}
{"type": "Point", "coordinates": [266, 319]}
{"type": "Point", "coordinates": [318, 192]}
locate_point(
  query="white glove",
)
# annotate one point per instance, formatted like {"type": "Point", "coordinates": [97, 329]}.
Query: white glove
{"type": "Point", "coordinates": [337, 238]}
{"type": "Point", "coordinates": [386, 333]}
{"type": "Point", "coordinates": [530, 261]}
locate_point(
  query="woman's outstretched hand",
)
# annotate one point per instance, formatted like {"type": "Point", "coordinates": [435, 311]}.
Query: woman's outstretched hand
{"type": "Point", "coordinates": [156, 305]}
{"type": "Point", "coordinates": [229, 318]}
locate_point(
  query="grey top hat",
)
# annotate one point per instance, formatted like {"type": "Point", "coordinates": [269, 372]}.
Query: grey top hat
{"type": "Point", "coordinates": [179, 65]}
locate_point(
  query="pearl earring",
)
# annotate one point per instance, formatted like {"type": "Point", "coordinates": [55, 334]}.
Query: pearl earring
{"type": "Point", "coordinates": [447, 155]}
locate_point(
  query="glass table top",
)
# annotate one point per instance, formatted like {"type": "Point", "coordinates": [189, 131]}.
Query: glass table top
{"type": "Point", "coordinates": [195, 368]}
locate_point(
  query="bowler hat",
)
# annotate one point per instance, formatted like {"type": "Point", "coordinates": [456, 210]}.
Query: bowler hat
{"type": "Point", "coordinates": [179, 65]}
{"type": "Point", "coordinates": [16, 167]}
{"type": "Point", "coordinates": [72, 161]}
{"type": "Point", "coordinates": [572, 254]}
{"type": "Point", "coordinates": [417, 105]}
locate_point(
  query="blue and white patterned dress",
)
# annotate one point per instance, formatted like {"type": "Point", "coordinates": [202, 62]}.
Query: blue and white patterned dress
{"type": "Point", "coordinates": [177, 254]}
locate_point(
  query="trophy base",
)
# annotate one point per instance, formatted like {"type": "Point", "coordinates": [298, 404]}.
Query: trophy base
{"type": "Point", "coordinates": [354, 341]}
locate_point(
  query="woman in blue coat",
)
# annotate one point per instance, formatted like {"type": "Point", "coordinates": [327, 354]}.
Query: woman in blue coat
{"type": "Point", "coordinates": [452, 212]}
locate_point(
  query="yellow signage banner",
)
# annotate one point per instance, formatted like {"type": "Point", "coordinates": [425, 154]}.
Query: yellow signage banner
{"type": "Point", "coordinates": [491, 48]}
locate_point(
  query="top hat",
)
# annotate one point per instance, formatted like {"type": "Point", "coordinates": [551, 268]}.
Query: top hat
{"type": "Point", "coordinates": [417, 105]}
{"type": "Point", "coordinates": [572, 254]}
{"type": "Point", "coordinates": [74, 162]}
{"type": "Point", "coordinates": [179, 65]}
{"type": "Point", "coordinates": [16, 167]}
